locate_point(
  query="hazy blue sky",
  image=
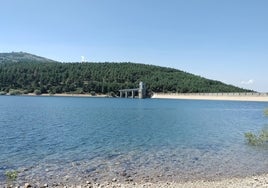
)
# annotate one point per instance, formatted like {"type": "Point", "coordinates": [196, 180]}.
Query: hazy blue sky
{"type": "Point", "coordinates": [225, 40]}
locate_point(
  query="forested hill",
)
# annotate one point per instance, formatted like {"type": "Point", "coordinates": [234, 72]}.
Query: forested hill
{"type": "Point", "coordinates": [22, 57]}
{"type": "Point", "coordinates": [54, 77]}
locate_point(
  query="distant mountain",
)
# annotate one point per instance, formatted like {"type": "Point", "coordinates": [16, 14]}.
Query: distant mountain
{"type": "Point", "coordinates": [27, 73]}
{"type": "Point", "coordinates": [22, 57]}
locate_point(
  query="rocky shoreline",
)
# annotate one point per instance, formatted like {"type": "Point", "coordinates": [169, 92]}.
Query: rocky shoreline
{"type": "Point", "coordinates": [79, 175]}
{"type": "Point", "coordinates": [246, 182]}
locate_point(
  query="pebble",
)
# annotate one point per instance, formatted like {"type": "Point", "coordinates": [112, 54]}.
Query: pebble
{"type": "Point", "coordinates": [44, 186]}
{"type": "Point", "coordinates": [129, 179]}
{"type": "Point", "coordinates": [67, 178]}
{"type": "Point", "coordinates": [124, 174]}
{"type": "Point", "coordinates": [97, 184]}
{"type": "Point", "coordinates": [23, 169]}
{"type": "Point", "coordinates": [114, 180]}
{"type": "Point", "coordinates": [55, 184]}
{"type": "Point", "coordinates": [27, 185]}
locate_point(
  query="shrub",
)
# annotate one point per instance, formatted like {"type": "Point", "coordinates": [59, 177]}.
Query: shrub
{"type": "Point", "coordinates": [11, 175]}
{"type": "Point", "coordinates": [15, 92]}
{"type": "Point", "coordinates": [264, 135]}
{"type": "Point", "coordinates": [78, 91]}
{"type": "Point", "coordinates": [37, 92]}
{"type": "Point", "coordinates": [261, 139]}
{"type": "Point", "coordinates": [25, 92]}
{"type": "Point", "coordinates": [257, 140]}
{"type": "Point", "coordinates": [266, 112]}
{"type": "Point", "coordinates": [3, 93]}
{"type": "Point", "coordinates": [51, 92]}
{"type": "Point", "coordinates": [92, 93]}
{"type": "Point", "coordinates": [252, 139]}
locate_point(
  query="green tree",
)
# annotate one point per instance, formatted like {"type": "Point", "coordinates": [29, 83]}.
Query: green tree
{"type": "Point", "coordinates": [37, 92]}
{"type": "Point", "coordinates": [103, 78]}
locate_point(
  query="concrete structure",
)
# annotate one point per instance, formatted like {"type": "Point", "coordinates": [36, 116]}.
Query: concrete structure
{"type": "Point", "coordinates": [141, 91]}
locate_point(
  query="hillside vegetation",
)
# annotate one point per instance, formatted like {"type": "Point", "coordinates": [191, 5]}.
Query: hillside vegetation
{"type": "Point", "coordinates": [22, 57]}
{"type": "Point", "coordinates": [54, 77]}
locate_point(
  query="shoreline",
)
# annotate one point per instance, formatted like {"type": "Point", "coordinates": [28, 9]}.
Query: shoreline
{"type": "Point", "coordinates": [212, 96]}
{"type": "Point", "coordinates": [233, 182]}
{"type": "Point", "coordinates": [247, 182]}
{"type": "Point", "coordinates": [251, 97]}
{"type": "Point", "coordinates": [62, 95]}
{"type": "Point", "coordinates": [69, 95]}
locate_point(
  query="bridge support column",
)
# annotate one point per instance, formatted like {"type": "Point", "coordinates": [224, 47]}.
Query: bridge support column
{"type": "Point", "coordinates": [142, 90]}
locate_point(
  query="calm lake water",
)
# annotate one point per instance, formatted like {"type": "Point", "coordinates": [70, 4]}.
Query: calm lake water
{"type": "Point", "coordinates": [72, 139]}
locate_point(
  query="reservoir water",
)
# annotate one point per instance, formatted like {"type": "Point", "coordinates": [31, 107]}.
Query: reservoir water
{"type": "Point", "coordinates": [69, 139]}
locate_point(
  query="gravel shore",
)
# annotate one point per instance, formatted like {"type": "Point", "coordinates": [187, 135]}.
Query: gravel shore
{"type": "Point", "coordinates": [248, 182]}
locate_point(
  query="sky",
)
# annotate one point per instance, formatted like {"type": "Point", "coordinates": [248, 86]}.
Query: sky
{"type": "Point", "coordinates": [225, 40]}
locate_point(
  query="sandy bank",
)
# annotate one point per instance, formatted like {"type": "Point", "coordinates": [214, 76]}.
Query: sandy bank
{"type": "Point", "coordinates": [227, 97]}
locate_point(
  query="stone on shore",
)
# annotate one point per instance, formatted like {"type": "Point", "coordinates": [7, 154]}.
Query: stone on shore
{"type": "Point", "coordinates": [27, 185]}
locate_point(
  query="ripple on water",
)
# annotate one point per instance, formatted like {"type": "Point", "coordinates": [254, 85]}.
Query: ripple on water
{"type": "Point", "coordinates": [146, 140]}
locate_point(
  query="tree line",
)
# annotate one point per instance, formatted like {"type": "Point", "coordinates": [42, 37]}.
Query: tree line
{"type": "Point", "coordinates": [103, 78]}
